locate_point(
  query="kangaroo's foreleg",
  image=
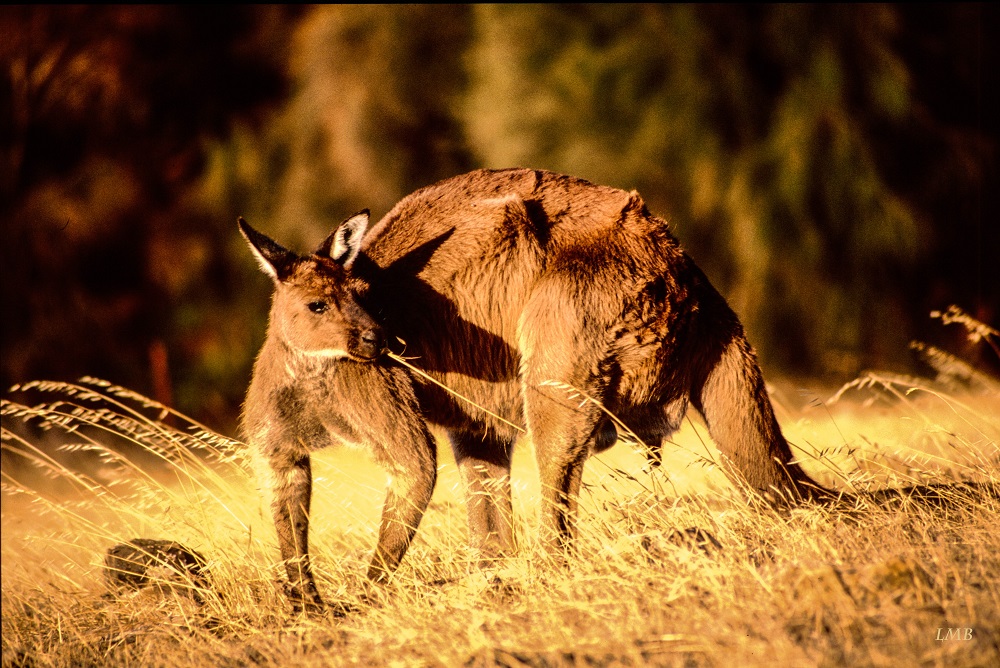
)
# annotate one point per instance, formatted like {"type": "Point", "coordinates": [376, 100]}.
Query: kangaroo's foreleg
{"type": "Point", "coordinates": [413, 472]}
{"type": "Point", "coordinates": [291, 493]}
{"type": "Point", "coordinates": [484, 461]}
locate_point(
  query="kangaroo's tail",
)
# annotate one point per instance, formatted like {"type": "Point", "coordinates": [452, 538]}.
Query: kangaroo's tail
{"type": "Point", "coordinates": [729, 392]}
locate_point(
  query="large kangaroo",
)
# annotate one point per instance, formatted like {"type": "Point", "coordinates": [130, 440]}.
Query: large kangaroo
{"type": "Point", "coordinates": [522, 291]}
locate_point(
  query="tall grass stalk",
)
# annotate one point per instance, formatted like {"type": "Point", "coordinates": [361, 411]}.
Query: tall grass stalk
{"type": "Point", "coordinates": [671, 567]}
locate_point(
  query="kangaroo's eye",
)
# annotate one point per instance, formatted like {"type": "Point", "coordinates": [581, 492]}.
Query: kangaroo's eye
{"type": "Point", "coordinates": [317, 307]}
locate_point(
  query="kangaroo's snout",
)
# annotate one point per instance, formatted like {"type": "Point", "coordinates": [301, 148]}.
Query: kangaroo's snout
{"type": "Point", "coordinates": [369, 344]}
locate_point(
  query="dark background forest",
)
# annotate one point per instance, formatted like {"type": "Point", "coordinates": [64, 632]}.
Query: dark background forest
{"type": "Point", "coordinates": [832, 168]}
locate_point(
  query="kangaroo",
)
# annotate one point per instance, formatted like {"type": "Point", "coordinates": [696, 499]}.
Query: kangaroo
{"type": "Point", "coordinates": [521, 291]}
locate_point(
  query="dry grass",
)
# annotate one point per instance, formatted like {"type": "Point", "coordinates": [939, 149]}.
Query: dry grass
{"type": "Point", "coordinates": [864, 585]}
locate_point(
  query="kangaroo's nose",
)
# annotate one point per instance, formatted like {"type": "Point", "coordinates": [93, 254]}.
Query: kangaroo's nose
{"type": "Point", "coordinates": [372, 338]}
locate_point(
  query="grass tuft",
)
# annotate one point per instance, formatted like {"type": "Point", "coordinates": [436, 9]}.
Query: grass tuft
{"type": "Point", "coordinates": [671, 567]}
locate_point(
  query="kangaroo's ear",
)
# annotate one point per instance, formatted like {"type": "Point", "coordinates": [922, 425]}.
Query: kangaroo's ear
{"type": "Point", "coordinates": [344, 243]}
{"type": "Point", "coordinates": [275, 260]}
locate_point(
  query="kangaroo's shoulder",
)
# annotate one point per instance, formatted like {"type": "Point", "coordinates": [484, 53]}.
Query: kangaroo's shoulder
{"type": "Point", "coordinates": [461, 218]}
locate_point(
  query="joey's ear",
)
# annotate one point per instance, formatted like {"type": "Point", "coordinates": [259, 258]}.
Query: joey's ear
{"type": "Point", "coordinates": [343, 244]}
{"type": "Point", "coordinates": [274, 259]}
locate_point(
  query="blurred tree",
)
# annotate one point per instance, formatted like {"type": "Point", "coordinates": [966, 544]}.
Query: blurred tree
{"type": "Point", "coordinates": [105, 112]}
{"type": "Point", "coordinates": [832, 167]}
{"type": "Point", "coordinates": [769, 135]}
{"type": "Point", "coordinates": [369, 119]}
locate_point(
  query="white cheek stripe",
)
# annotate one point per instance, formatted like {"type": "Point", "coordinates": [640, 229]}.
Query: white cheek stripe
{"type": "Point", "coordinates": [325, 353]}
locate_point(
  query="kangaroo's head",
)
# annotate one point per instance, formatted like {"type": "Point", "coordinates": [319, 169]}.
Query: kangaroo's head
{"type": "Point", "coordinates": [315, 310]}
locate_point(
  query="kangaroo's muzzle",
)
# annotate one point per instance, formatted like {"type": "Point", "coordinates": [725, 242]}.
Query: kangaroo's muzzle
{"type": "Point", "coordinates": [367, 345]}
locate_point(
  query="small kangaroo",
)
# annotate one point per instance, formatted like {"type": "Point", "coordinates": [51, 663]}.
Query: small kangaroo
{"type": "Point", "coordinates": [522, 291]}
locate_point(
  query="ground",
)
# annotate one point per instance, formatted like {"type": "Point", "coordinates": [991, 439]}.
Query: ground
{"type": "Point", "coordinates": [671, 567]}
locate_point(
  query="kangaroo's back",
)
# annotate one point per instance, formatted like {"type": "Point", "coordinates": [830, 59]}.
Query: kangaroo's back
{"type": "Point", "coordinates": [461, 268]}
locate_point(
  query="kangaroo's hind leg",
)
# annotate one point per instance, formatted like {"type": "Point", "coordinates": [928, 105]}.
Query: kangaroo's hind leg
{"type": "Point", "coordinates": [484, 461]}
{"type": "Point", "coordinates": [564, 378]}
{"type": "Point", "coordinates": [563, 430]}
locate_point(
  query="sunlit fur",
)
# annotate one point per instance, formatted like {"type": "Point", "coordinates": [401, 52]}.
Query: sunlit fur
{"type": "Point", "coordinates": [521, 291]}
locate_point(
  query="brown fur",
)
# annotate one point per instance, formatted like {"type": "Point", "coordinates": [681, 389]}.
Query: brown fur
{"type": "Point", "coordinates": [517, 289]}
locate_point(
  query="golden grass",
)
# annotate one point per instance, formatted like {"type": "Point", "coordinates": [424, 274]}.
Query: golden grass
{"type": "Point", "coordinates": [814, 586]}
